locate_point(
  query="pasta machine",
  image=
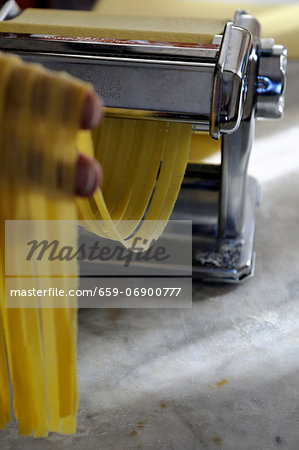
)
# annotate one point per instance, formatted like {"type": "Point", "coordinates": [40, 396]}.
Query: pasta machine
{"type": "Point", "coordinates": [221, 88]}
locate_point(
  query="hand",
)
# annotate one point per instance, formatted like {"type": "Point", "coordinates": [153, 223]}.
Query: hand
{"type": "Point", "coordinates": [89, 173]}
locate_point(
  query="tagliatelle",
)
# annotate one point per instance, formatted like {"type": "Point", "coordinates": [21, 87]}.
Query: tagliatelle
{"type": "Point", "coordinates": [163, 149]}
{"type": "Point", "coordinates": [38, 344]}
{"type": "Point", "coordinates": [37, 182]}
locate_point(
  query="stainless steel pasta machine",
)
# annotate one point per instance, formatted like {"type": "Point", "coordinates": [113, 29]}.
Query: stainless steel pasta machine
{"type": "Point", "coordinates": [221, 88]}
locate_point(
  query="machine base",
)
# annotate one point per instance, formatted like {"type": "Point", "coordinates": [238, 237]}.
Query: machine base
{"type": "Point", "coordinates": [216, 259]}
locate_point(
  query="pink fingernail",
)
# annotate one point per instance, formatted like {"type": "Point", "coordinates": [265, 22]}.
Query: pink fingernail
{"type": "Point", "coordinates": [88, 176]}
{"type": "Point", "coordinates": [92, 111]}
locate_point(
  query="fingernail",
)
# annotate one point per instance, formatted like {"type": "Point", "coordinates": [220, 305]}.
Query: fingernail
{"type": "Point", "coordinates": [97, 112]}
{"type": "Point", "coordinates": [92, 111]}
{"type": "Point", "coordinates": [88, 176]}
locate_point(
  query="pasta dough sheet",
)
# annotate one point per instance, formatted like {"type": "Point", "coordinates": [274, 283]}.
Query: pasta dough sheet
{"type": "Point", "coordinates": [91, 24]}
{"type": "Point", "coordinates": [280, 22]}
{"type": "Point", "coordinates": [201, 10]}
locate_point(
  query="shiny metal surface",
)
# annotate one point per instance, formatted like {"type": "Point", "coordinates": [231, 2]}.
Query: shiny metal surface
{"type": "Point", "coordinates": [148, 80]}
{"type": "Point", "coordinates": [214, 259]}
{"type": "Point", "coordinates": [146, 85]}
{"type": "Point", "coordinates": [235, 153]}
{"type": "Point", "coordinates": [228, 90]}
{"type": "Point", "coordinates": [236, 148]}
{"type": "Point", "coordinates": [9, 10]}
{"type": "Point", "coordinates": [271, 80]}
{"type": "Point", "coordinates": [91, 46]}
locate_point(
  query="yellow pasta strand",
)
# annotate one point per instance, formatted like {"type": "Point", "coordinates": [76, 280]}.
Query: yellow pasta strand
{"type": "Point", "coordinates": [4, 382]}
{"type": "Point", "coordinates": [40, 343]}
{"type": "Point", "coordinates": [173, 149]}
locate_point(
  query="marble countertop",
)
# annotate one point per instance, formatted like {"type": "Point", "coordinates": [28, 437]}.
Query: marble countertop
{"type": "Point", "coordinates": [222, 375]}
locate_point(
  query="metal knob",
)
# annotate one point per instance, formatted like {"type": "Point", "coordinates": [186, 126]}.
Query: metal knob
{"type": "Point", "coordinates": [271, 80]}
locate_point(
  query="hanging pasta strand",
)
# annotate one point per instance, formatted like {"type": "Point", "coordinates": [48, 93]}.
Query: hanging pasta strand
{"type": "Point", "coordinates": [37, 182]}
{"type": "Point", "coordinates": [38, 147]}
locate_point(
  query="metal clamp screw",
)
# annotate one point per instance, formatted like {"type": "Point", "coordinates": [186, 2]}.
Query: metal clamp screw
{"type": "Point", "coordinates": [271, 80]}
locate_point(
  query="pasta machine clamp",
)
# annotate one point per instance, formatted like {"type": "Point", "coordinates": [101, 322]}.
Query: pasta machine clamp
{"type": "Point", "coordinates": [249, 83]}
{"type": "Point", "coordinates": [221, 88]}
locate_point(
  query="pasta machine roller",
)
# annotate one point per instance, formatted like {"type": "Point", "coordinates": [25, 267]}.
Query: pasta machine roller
{"type": "Point", "coordinates": [221, 88]}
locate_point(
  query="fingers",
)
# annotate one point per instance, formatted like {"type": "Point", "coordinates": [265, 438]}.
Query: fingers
{"type": "Point", "coordinates": [89, 176]}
